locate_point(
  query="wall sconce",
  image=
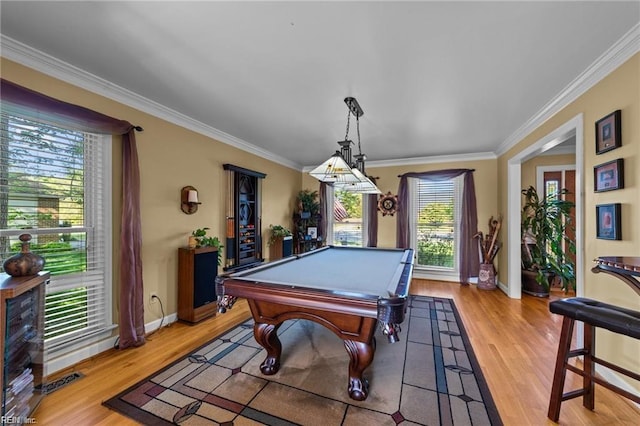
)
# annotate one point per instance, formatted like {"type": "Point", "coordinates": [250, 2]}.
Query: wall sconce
{"type": "Point", "coordinates": [189, 199]}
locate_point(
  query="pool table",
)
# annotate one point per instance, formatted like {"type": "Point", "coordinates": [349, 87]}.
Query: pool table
{"type": "Point", "coordinates": [346, 289]}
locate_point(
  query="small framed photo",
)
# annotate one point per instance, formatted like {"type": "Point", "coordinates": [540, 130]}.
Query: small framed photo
{"type": "Point", "coordinates": [608, 132]}
{"type": "Point", "coordinates": [312, 232]}
{"type": "Point", "coordinates": [608, 222]}
{"type": "Point", "coordinates": [609, 176]}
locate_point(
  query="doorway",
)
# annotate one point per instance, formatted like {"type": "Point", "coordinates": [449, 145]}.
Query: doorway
{"type": "Point", "coordinates": [572, 128]}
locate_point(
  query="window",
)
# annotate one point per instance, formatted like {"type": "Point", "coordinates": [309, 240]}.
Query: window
{"type": "Point", "coordinates": [435, 222]}
{"type": "Point", "coordinates": [348, 219]}
{"type": "Point", "coordinates": [55, 185]}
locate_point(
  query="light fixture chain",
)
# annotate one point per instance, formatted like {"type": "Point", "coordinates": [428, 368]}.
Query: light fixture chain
{"type": "Point", "coordinates": [346, 135]}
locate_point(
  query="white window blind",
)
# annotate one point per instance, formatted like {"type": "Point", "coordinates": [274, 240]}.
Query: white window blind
{"type": "Point", "coordinates": [435, 222]}
{"type": "Point", "coordinates": [54, 185]}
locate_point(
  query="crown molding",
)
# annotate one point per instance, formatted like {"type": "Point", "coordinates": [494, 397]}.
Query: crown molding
{"type": "Point", "coordinates": [53, 67]}
{"type": "Point", "coordinates": [437, 159]}
{"type": "Point", "coordinates": [615, 56]}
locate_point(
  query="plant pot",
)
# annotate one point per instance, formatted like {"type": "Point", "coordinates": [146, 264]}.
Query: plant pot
{"type": "Point", "coordinates": [531, 287]}
{"type": "Point", "coordinates": [487, 277]}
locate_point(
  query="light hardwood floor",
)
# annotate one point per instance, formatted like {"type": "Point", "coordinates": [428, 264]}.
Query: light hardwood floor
{"type": "Point", "coordinates": [515, 342]}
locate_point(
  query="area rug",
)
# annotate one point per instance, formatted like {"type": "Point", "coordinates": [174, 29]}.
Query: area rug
{"type": "Point", "coordinates": [430, 377]}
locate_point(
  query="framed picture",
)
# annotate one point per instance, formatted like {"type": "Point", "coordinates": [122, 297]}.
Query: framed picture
{"type": "Point", "coordinates": [608, 222]}
{"type": "Point", "coordinates": [608, 132]}
{"type": "Point", "coordinates": [312, 232]}
{"type": "Point", "coordinates": [609, 176]}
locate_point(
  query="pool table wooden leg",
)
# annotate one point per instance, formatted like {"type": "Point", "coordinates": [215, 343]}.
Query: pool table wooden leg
{"type": "Point", "coordinates": [361, 356]}
{"type": "Point", "coordinates": [267, 336]}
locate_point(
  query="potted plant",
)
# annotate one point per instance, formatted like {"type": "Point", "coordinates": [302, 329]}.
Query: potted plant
{"type": "Point", "coordinates": [278, 232]}
{"type": "Point", "coordinates": [202, 240]}
{"type": "Point", "coordinates": [276, 241]}
{"type": "Point", "coordinates": [545, 244]}
{"type": "Point", "coordinates": [308, 204]}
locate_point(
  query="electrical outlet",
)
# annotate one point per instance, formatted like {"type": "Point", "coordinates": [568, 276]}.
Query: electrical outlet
{"type": "Point", "coordinates": [153, 297]}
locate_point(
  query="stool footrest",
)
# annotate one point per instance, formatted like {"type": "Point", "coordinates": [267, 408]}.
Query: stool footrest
{"type": "Point", "coordinates": [573, 394]}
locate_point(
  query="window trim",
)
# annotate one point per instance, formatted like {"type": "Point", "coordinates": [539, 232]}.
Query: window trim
{"type": "Point", "coordinates": [435, 272]}
{"type": "Point", "coordinates": [58, 353]}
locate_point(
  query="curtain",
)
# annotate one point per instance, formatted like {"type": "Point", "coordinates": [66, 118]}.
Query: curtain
{"type": "Point", "coordinates": [469, 261]}
{"type": "Point", "coordinates": [45, 108]}
{"type": "Point", "coordinates": [372, 218]}
{"type": "Point", "coordinates": [326, 211]}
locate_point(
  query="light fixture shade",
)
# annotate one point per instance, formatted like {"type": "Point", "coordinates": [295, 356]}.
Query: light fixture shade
{"type": "Point", "coordinates": [193, 196]}
{"type": "Point", "coordinates": [335, 169]}
{"type": "Point", "coordinates": [363, 186]}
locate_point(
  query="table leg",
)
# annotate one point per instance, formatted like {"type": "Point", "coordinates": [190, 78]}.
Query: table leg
{"type": "Point", "coordinates": [267, 336]}
{"type": "Point", "coordinates": [361, 356]}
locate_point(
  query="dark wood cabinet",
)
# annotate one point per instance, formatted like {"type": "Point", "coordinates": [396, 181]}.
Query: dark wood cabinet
{"type": "Point", "coordinates": [244, 234]}
{"type": "Point", "coordinates": [22, 343]}
{"type": "Point", "coordinates": [197, 271]}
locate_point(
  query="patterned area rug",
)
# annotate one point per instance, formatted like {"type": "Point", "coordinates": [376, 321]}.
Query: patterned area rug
{"type": "Point", "coordinates": [430, 377]}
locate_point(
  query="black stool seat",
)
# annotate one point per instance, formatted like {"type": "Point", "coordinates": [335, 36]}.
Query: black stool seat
{"type": "Point", "coordinates": [593, 314]}
{"type": "Point", "coordinates": [613, 318]}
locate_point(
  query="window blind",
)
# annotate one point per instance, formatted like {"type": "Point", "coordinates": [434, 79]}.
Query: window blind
{"type": "Point", "coordinates": [52, 186]}
{"type": "Point", "coordinates": [435, 225]}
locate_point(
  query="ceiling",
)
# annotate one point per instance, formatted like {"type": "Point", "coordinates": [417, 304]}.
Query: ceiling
{"type": "Point", "coordinates": [433, 78]}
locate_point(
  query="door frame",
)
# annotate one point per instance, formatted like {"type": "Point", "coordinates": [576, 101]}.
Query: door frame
{"type": "Point", "coordinates": [574, 126]}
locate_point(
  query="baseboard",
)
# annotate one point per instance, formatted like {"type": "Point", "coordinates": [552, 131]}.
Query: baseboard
{"type": "Point", "coordinates": [435, 275]}
{"type": "Point", "coordinates": [155, 325]}
{"type": "Point", "coordinates": [616, 380]}
{"type": "Point", "coordinates": [55, 364]}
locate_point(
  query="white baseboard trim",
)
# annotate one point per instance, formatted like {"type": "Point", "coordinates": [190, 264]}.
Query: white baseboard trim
{"type": "Point", "coordinates": [436, 276]}
{"type": "Point", "coordinates": [616, 379]}
{"type": "Point", "coordinates": [55, 364]}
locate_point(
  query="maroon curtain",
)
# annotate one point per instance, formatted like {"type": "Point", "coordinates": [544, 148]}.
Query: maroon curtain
{"type": "Point", "coordinates": [326, 211]}
{"type": "Point", "coordinates": [469, 261]}
{"type": "Point", "coordinates": [44, 108]}
{"type": "Point", "coordinates": [372, 213]}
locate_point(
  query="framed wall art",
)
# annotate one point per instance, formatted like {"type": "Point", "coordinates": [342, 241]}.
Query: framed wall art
{"type": "Point", "coordinates": [609, 176]}
{"type": "Point", "coordinates": [608, 222]}
{"type": "Point", "coordinates": [608, 132]}
{"type": "Point", "coordinates": [312, 232]}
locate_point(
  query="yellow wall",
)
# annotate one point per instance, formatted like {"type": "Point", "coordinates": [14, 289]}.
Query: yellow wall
{"type": "Point", "coordinates": [171, 157]}
{"type": "Point", "coordinates": [619, 90]}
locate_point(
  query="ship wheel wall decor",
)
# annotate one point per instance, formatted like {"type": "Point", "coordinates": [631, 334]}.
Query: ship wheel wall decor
{"type": "Point", "coordinates": [388, 204]}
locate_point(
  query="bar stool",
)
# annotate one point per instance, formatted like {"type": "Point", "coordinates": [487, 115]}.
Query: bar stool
{"type": "Point", "coordinates": [593, 314]}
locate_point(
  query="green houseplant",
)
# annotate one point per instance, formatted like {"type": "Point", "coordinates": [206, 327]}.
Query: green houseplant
{"type": "Point", "coordinates": [545, 243]}
{"type": "Point", "coordinates": [277, 232]}
{"type": "Point", "coordinates": [202, 240]}
{"type": "Point", "coordinates": [308, 202]}
{"type": "Point", "coordinates": [276, 241]}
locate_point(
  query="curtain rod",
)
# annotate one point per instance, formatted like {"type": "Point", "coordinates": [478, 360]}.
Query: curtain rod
{"type": "Point", "coordinates": [469, 170]}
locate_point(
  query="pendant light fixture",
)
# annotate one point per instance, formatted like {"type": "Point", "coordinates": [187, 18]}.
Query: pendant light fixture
{"type": "Point", "coordinates": [339, 169]}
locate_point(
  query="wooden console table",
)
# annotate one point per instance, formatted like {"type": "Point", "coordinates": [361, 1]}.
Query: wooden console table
{"type": "Point", "coordinates": [626, 268]}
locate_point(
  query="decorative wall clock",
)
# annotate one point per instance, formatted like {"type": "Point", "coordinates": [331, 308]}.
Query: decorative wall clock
{"type": "Point", "coordinates": [388, 204]}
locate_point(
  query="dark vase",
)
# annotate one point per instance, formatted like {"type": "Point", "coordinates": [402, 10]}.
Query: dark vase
{"type": "Point", "coordinates": [24, 263]}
